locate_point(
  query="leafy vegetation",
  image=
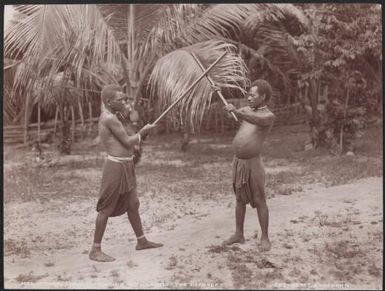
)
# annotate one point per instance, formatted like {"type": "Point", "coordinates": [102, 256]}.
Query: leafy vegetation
{"type": "Point", "coordinates": [327, 56]}
{"type": "Point", "coordinates": [341, 72]}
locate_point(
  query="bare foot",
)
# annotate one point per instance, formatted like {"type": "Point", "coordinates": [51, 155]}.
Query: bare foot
{"type": "Point", "coordinates": [236, 238]}
{"type": "Point", "coordinates": [99, 256]}
{"type": "Point", "coordinates": [265, 244]}
{"type": "Point", "coordinates": [145, 244]}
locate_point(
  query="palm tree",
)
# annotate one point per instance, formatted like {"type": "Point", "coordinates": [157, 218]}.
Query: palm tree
{"type": "Point", "coordinates": [101, 44]}
{"type": "Point", "coordinates": [269, 27]}
{"type": "Point", "coordinates": [52, 39]}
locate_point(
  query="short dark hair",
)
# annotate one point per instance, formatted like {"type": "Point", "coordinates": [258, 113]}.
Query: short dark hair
{"type": "Point", "coordinates": [263, 88]}
{"type": "Point", "coordinates": [109, 91]}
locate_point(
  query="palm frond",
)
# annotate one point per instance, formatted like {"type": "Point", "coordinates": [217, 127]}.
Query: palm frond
{"type": "Point", "coordinates": [55, 37]}
{"type": "Point", "coordinates": [176, 71]}
{"type": "Point", "coordinates": [146, 16]}
{"type": "Point", "coordinates": [290, 16]}
{"type": "Point", "coordinates": [266, 22]}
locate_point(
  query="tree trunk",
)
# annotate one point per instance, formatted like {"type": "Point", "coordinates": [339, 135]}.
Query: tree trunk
{"type": "Point", "coordinates": [65, 143]}
{"type": "Point", "coordinates": [343, 121]}
{"type": "Point", "coordinates": [81, 117]}
{"type": "Point", "coordinates": [56, 118]}
{"type": "Point", "coordinates": [185, 138]}
{"type": "Point", "coordinates": [167, 123]}
{"type": "Point", "coordinates": [208, 120]}
{"type": "Point", "coordinates": [222, 122]}
{"type": "Point", "coordinates": [314, 121]}
{"type": "Point", "coordinates": [216, 120]}
{"type": "Point", "coordinates": [73, 123]}
{"type": "Point", "coordinates": [90, 117]}
{"type": "Point", "coordinates": [26, 117]}
{"type": "Point", "coordinates": [313, 95]}
{"type": "Point", "coordinates": [38, 122]}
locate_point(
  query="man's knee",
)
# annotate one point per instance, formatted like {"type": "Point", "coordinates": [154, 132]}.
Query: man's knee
{"type": "Point", "coordinates": [133, 204]}
{"type": "Point", "coordinates": [240, 202]}
{"type": "Point", "coordinates": [105, 213]}
{"type": "Point", "coordinates": [259, 201]}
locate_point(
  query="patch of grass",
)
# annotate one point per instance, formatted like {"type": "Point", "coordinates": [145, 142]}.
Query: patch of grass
{"type": "Point", "coordinates": [285, 142]}
{"type": "Point", "coordinates": [49, 264]}
{"type": "Point", "coordinates": [13, 247]}
{"type": "Point", "coordinates": [31, 184]}
{"type": "Point", "coordinates": [342, 249]}
{"type": "Point", "coordinates": [63, 278]}
{"type": "Point", "coordinates": [114, 274]}
{"type": "Point", "coordinates": [334, 221]}
{"type": "Point", "coordinates": [170, 173]}
{"type": "Point", "coordinates": [374, 270]}
{"type": "Point", "coordinates": [283, 177]}
{"type": "Point", "coordinates": [241, 275]}
{"type": "Point", "coordinates": [283, 183]}
{"type": "Point", "coordinates": [334, 171]}
{"type": "Point", "coordinates": [243, 266]}
{"type": "Point", "coordinates": [222, 248]}
{"type": "Point", "coordinates": [95, 162]}
{"type": "Point", "coordinates": [173, 261]}
{"type": "Point", "coordinates": [30, 277]}
{"type": "Point", "coordinates": [131, 264]}
{"type": "Point", "coordinates": [370, 144]}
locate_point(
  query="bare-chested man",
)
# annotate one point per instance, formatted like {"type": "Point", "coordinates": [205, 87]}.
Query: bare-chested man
{"type": "Point", "coordinates": [118, 187]}
{"type": "Point", "coordinates": [248, 169]}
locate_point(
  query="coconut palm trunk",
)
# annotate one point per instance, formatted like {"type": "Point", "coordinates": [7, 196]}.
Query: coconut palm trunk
{"type": "Point", "coordinates": [65, 130]}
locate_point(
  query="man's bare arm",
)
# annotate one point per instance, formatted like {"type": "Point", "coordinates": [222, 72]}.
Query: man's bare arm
{"type": "Point", "coordinates": [245, 113]}
{"type": "Point", "coordinates": [120, 133]}
{"type": "Point", "coordinates": [265, 119]}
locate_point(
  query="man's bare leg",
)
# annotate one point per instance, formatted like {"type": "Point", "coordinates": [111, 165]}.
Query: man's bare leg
{"type": "Point", "coordinates": [240, 212]}
{"type": "Point", "coordinates": [257, 184]}
{"type": "Point", "coordinates": [136, 223]}
{"type": "Point", "coordinates": [96, 253]}
{"type": "Point", "coordinates": [263, 217]}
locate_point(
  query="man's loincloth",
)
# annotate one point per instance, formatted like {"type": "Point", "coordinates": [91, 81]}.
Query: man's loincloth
{"type": "Point", "coordinates": [118, 181]}
{"type": "Point", "coordinates": [248, 175]}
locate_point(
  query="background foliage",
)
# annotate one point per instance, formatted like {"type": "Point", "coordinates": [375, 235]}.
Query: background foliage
{"type": "Point", "coordinates": [327, 56]}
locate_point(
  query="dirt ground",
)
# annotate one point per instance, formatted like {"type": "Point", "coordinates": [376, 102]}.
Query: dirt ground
{"type": "Point", "coordinates": [322, 237]}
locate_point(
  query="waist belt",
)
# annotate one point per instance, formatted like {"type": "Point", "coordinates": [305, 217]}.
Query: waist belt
{"type": "Point", "coordinates": [120, 159]}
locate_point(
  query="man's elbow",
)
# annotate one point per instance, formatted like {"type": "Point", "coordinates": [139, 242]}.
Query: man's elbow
{"type": "Point", "coordinates": [129, 143]}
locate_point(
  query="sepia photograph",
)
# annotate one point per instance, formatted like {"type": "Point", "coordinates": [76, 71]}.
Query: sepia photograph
{"type": "Point", "coordinates": [213, 146]}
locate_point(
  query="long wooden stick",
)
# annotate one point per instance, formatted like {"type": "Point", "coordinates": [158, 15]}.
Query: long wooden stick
{"type": "Point", "coordinates": [213, 84]}
{"type": "Point", "coordinates": [189, 88]}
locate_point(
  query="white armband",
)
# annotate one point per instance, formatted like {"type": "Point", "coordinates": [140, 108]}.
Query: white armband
{"type": "Point", "coordinates": [139, 137]}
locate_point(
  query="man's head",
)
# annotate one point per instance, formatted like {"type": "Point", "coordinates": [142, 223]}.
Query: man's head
{"type": "Point", "coordinates": [259, 93]}
{"type": "Point", "coordinates": [116, 101]}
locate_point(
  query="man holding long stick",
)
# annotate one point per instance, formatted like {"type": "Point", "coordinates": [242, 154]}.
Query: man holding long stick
{"type": "Point", "coordinates": [118, 188]}
{"type": "Point", "coordinates": [248, 169]}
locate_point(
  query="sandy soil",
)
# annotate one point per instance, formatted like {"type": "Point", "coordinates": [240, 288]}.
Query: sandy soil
{"type": "Point", "coordinates": [323, 238]}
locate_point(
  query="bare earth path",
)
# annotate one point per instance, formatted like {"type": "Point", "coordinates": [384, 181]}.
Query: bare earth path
{"type": "Point", "coordinates": [323, 238]}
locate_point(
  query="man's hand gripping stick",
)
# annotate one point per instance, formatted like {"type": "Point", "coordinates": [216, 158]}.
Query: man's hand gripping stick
{"type": "Point", "coordinates": [215, 88]}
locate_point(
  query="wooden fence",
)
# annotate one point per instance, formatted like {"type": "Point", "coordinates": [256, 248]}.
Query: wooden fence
{"type": "Point", "coordinates": [215, 121]}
